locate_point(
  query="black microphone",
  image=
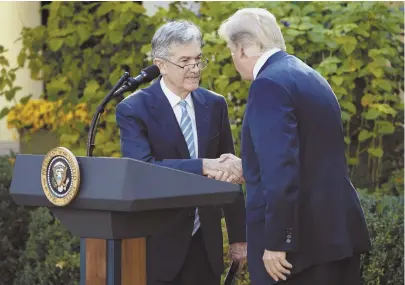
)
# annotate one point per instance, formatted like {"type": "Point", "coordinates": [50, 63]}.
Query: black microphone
{"type": "Point", "coordinates": [146, 75]}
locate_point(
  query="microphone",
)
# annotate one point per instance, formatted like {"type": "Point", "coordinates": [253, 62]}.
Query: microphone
{"type": "Point", "coordinates": [130, 83]}
{"type": "Point", "coordinates": [146, 75]}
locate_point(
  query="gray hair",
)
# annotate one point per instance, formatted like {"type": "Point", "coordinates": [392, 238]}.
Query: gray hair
{"type": "Point", "coordinates": [176, 32]}
{"type": "Point", "coordinates": [252, 28]}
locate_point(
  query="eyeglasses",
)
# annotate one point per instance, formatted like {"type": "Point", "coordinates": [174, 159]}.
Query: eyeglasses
{"type": "Point", "coordinates": [200, 64]}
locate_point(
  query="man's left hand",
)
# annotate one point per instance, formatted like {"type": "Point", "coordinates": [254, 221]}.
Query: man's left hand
{"type": "Point", "coordinates": [238, 252]}
{"type": "Point", "coordinates": [276, 264]}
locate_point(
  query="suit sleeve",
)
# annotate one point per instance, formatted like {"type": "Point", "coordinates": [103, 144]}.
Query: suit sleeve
{"type": "Point", "coordinates": [273, 128]}
{"type": "Point", "coordinates": [235, 213]}
{"type": "Point", "coordinates": [135, 144]}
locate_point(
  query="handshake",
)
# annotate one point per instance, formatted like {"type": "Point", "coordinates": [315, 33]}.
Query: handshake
{"type": "Point", "coordinates": [226, 168]}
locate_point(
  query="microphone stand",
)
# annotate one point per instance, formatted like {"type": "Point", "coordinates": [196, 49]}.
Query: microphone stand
{"type": "Point", "coordinates": [100, 111]}
{"type": "Point", "coordinates": [231, 274]}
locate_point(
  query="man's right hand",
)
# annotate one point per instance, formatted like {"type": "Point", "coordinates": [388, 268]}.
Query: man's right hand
{"type": "Point", "coordinates": [229, 170]}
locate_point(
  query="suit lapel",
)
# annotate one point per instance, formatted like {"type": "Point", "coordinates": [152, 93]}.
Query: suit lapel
{"type": "Point", "coordinates": [202, 122]}
{"type": "Point", "coordinates": [163, 113]}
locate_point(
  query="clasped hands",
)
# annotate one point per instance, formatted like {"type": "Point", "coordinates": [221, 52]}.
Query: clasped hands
{"type": "Point", "coordinates": [227, 168]}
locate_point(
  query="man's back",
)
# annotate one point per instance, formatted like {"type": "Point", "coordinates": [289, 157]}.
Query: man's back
{"type": "Point", "coordinates": [329, 219]}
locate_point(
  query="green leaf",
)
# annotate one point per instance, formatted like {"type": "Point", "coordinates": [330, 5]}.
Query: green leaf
{"type": "Point", "coordinates": [305, 26]}
{"type": "Point", "coordinates": [69, 137]}
{"type": "Point", "coordinates": [345, 116]}
{"type": "Point", "coordinates": [364, 135]}
{"type": "Point", "coordinates": [22, 56]}
{"type": "Point", "coordinates": [4, 112]}
{"type": "Point", "coordinates": [221, 83]}
{"type": "Point", "coordinates": [115, 75]}
{"type": "Point", "coordinates": [367, 99]}
{"type": "Point", "coordinates": [349, 43]}
{"type": "Point", "coordinates": [316, 36]}
{"type": "Point", "coordinates": [338, 80]}
{"type": "Point", "coordinates": [91, 88]}
{"type": "Point", "coordinates": [2, 83]}
{"type": "Point", "coordinates": [72, 40]}
{"type": "Point", "coordinates": [377, 152]}
{"type": "Point", "coordinates": [12, 76]}
{"type": "Point", "coordinates": [55, 44]}
{"type": "Point", "coordinates": [349, 106]}
{"type": "Point", "coordinates": [84, 32]}
{"type": "Point", "coordinates": [384, 108]}
{"type": "Point", "coordinates": [371, 114]}
{"type": "Point", "coordinates": [377, 72]}
{"type": "Point", "coordinates": [62, 33]}
{"type": "Point", "coordinates": [3, 61]}
{"type": "Point", "coordinates": [382, 62]}
{"type": "Point", "coordinates": [56, 85]}
{"type": "Point", "coordinates": [25, 99]}
{"type": "Point", "coordinates": [115, 36]}
{"type": "Point", "coordinates": [80, 19]}
{"type": "Point", "coordinates": [383, 84]}
{"type": "Point", "coordinates": [385, 127]}
{"type": "Point", "coordinates": [352, 161]}
{"type": "Point", "coordinates": [293, 33]}
{"type": "Point", "coordinates": [105, 8]}
{"type": "Point", "coordinates": [137, 8]}
{"type": "Point", "coordinates": [9, 95]}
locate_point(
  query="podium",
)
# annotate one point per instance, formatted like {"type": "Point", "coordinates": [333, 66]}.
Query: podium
{"type": "Point", "coordinates": [120, 202]}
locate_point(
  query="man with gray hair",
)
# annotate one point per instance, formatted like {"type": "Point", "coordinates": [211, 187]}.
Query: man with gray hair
{"type": "Point", "coordinates": [177, 124]}
{"type": "Point", "coordinates": [305, 224]}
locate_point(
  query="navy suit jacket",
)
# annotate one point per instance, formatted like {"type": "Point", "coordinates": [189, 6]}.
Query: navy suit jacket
{"type": "Point", "coordinates": [294, 164]}
{"type": "Point", "coordinates": [150, 132]}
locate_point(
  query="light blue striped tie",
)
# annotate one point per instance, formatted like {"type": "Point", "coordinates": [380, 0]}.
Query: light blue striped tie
{"type": "Point", "coordinates": [187, 129]}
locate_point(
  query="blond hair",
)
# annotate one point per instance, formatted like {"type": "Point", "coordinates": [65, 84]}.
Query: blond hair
{"type": "Point", "coordinates": [254, 29]}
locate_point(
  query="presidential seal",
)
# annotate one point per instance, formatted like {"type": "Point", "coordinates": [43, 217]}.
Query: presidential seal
{"type": "Point", "coordinates": [60, 176]}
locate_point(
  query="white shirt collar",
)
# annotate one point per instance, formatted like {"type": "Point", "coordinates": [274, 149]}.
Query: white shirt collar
{"type": "Point", "coordinates": [262, 60]}
{"type": "Point", "coordinates": [172, 97]}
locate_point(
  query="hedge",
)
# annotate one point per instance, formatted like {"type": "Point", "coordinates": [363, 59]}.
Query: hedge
{"type": "Point", "coordinates": [14, 222]}
{"type": "Point", "coordinates": [356, 45]}
{"type": "Point", "coordinates": [50, 254]}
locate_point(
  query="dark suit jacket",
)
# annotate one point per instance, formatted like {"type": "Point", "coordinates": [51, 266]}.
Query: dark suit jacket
{"type": "Point", "coordinates": [150, 132]}
{"type": "Point", "coordinates": [294, 164]}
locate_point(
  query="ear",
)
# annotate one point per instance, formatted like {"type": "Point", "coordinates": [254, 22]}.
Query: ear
{"type": "Point", "coordinates": [242, 52]}
{"type": "Point", "coordinates": [161, 65]}
{"type": "Point", "coordinates": [238, 51]}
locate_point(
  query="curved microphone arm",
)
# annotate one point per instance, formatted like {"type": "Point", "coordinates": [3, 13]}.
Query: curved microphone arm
{"type": "Point", "coordinates": [100, 110]}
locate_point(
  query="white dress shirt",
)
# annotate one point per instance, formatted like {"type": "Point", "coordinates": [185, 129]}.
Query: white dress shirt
{"type": "Point", "coordinates": [174, 101]}
{"type": "Point", "coordinates": [262, 60]}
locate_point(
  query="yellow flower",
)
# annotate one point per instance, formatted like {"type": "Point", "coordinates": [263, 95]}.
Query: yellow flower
{"type": "Point", "coordinates": [39, 114]}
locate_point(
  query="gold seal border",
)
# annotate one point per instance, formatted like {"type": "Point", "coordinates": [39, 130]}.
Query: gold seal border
{"type": "Point", "coordinates": [74, 170]}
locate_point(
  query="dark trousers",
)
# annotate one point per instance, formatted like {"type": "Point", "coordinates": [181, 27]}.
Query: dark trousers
{"type": "Point", "coordinates": [342, 272]}
{"type": "Point", "coordinates": [196, 269]}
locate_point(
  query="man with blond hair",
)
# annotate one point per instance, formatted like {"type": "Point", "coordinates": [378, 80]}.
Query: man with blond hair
{"type": "Point", "coordinates": [305, 224]}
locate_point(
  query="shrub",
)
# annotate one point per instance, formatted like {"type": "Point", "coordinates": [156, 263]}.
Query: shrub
{"type": "Point", "coordinates": [14, 222]}
{"type": "Point", "coordinates": [359, 53]}
{"type": "Point", "coordinates": [46, 253]}
{"type": "Point", "coordinates": [384, 264]}
{"type": "Point", "coordinates": [80, 65]}
{"type": "Point", "coordinates": [52, 254]}
{"type": "Point", "coordinates": [38, 114]}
